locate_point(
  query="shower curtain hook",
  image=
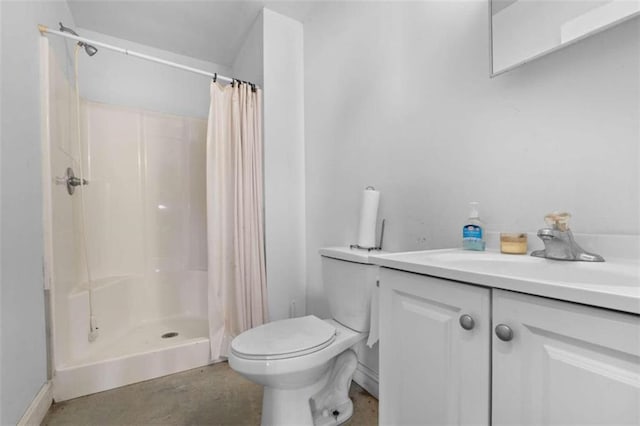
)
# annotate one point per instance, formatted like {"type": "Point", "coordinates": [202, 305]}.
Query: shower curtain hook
{"type": "Point", "coordinates": [215, 77]}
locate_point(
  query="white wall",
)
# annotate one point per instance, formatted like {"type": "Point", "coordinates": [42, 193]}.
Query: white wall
{"type": "Point", "coordinates": [24, 357]}
{"type": "Point", "coordinates": [249, 62]}
{"type": "Point", "coordinates": [1, 137]}
{"type": "Point", "coordinates": [397, 95]}
{"type": "Point", "coordinates": [114, 78]}
{"type": "Point", "coordinates": [284, 163]}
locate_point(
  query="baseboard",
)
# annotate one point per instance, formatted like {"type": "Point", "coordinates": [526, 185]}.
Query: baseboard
{"type": "Point", "coordinates": [367, 379]}
{"type": "Point", "coordinates": [38, 407]}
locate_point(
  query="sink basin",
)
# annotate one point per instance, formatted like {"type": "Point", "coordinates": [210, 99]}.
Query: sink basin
{"type": "Point", "coordinates": [614, 284]}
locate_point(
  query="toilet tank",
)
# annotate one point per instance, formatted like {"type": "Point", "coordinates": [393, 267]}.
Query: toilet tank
{"type": "Point", "coordinates": [349, 279]}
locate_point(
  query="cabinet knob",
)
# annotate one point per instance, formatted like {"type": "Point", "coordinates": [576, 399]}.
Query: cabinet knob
{"type": "Point", "coordinates": [504, 332]}
{"type": "Point", "coordinates": [467, 322]}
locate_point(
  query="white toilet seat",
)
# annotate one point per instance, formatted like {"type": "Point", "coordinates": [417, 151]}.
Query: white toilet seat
{"type": "Point", "coordinates": [284, 339]}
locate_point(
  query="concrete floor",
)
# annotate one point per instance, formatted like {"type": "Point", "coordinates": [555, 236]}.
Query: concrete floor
{"type": "Point", "coordinates": [212, 395]}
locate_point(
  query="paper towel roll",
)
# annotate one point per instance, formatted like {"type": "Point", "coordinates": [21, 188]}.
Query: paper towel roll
{"type": "Point", "coordinates": [368, 218]}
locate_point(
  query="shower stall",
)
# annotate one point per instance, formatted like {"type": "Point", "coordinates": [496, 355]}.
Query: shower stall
{"type": "Point", "coordinates": [126, 253]}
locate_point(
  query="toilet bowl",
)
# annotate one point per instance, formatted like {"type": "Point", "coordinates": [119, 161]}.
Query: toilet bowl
{"type": "Point", "coordinates": [306, 364]}
{"type": "Point", "coordinates": [292, 377]}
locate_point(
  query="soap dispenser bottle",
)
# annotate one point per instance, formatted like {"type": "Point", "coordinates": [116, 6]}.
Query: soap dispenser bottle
{"type": "Point", "coordinates": [473, 232]}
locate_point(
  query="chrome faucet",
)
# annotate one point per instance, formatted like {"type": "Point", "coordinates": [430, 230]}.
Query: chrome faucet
{"type": "Point", "coordinates": [559, 243]}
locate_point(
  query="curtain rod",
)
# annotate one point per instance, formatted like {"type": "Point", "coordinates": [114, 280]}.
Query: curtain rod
{"type": "Point", "coordinates": [44, 29]}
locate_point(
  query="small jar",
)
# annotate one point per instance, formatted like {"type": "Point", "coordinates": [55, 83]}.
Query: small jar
{"type": "Point", "coordinates": [513, 243]}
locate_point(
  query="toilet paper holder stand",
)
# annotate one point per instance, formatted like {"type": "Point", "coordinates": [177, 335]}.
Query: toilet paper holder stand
{"type": "Point", "coordinates": [379, 247]}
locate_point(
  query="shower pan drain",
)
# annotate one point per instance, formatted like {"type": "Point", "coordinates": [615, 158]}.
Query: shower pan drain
{"type": "Point", "coordinates": [169, 335]}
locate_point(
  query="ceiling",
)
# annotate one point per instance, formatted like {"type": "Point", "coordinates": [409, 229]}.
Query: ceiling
{"type": "Point", "coordinates": [498, 5]}
{"type": "Point", "coordinates": [210, 30]}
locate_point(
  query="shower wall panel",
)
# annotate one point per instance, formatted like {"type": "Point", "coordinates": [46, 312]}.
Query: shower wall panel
{"type": "Point", "coordinates": [145, 220]}
{"type": "Point", "coordinates": [142, 234]}
{"type": "Point", "coordinates": [61, 234]}
{"type": "Point", "coordinates": [113, 199]}
{"type": "Point", "coordinates": [175, 218]}
{"type": "Point", "coordinates": [146, 207]}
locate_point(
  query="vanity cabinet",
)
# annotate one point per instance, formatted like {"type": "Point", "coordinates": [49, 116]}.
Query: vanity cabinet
{"type": "Point", "coordinates": [548, 362]}
{"type": "Point", "coordinates": [566, 363]}
{"type": "Point", "coordinates": [432, 370]}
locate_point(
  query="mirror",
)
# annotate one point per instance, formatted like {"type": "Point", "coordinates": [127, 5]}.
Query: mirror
{"type": "Point", "coordinates": [524, 30]}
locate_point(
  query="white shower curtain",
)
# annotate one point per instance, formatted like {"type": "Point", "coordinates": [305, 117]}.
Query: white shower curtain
{"type": "Point", "coordinates": [236, 260]}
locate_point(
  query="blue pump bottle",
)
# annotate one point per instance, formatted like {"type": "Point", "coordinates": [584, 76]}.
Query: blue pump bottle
{"type": "Point", "coordinates": [473, 230]}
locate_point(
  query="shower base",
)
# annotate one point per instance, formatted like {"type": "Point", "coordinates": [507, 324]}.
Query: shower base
{"type": "Point", "coordinates": [139, 355]}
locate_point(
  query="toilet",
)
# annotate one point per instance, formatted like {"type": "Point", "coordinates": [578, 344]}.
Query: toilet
{"type": "Point", "coordinates": [306, 364]}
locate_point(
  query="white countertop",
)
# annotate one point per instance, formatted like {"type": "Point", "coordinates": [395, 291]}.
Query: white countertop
{"type": "Point", "coordinates": [614, 284]}
{"type": "Point", "coordinates": [350, 254]}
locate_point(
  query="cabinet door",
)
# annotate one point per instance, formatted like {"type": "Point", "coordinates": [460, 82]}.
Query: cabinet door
{"type": "Point", "coordinates": [432, 371]}
{"type": "Point", "coordinates": [566, 363]}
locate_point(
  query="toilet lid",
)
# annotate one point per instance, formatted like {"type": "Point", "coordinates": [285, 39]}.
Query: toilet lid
{"type": "Point", "coordinates": [284, 339]}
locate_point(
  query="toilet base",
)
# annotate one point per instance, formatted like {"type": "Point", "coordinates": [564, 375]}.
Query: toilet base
{"type": "Point", "coordinates": [323, 403]}
{"type": "Point", "coordinates": [289, 406]}
{"type": "Point", "coordinates": [343, 413]}
{"type": "Point", "coordinates": [332, 405]}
